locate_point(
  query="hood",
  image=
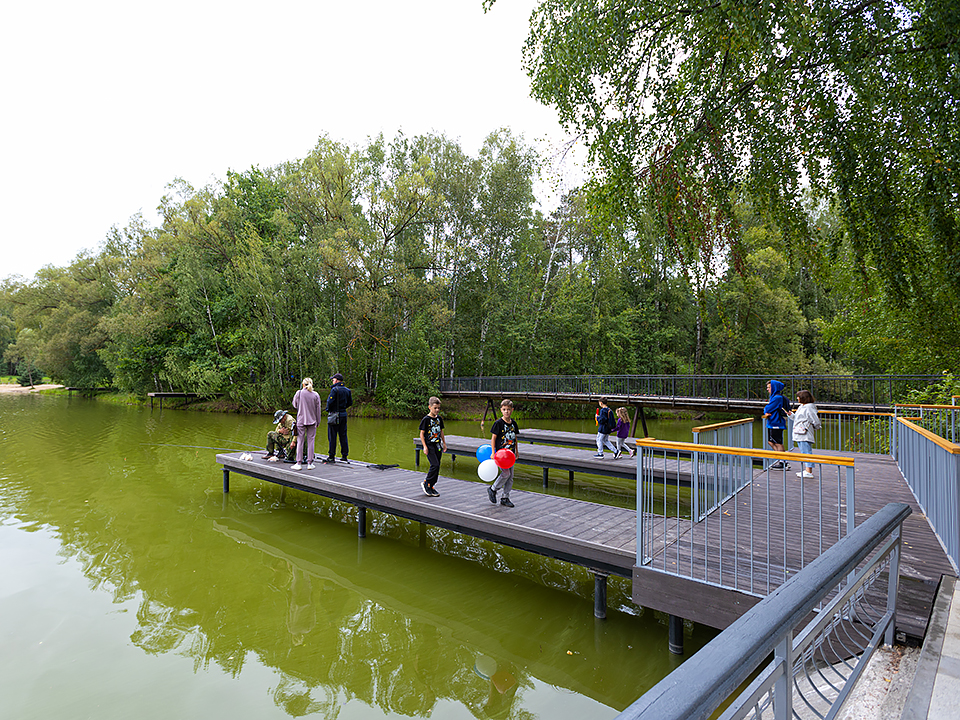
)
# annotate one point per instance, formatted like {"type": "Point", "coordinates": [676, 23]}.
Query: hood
{"type": "Point", "coordinates": [776, 387]}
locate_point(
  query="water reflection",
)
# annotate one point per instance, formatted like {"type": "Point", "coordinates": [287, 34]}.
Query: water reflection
{"type": "Point", "coordinates": [273, 590]}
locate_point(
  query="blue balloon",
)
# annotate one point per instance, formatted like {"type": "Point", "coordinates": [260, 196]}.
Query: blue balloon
{"type": "Point", "coordinates": [484, 452]}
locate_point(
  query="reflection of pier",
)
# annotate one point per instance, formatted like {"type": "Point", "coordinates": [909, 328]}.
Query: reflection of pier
{"type": "Point", "coordinates": [598, 537]}
{"type": "Point", "coordinates": [469, 613]}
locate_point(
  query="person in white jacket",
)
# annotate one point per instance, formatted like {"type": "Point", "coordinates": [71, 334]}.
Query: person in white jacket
{"type": "Point", "coordinates": [805, 423]}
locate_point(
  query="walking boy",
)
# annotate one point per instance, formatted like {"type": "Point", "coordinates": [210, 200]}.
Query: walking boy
{"type": "Point", "coordinates": [434, 443]}
{"type": "Point", "coordinates": [505, 432]}
{"type": "Point", "coordinates": [605, 424]}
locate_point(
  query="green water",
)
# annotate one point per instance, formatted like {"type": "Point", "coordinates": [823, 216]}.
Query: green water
{"type": "Point", "coordinates": [131, 586]}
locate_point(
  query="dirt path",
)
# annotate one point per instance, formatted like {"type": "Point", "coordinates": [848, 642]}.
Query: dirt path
{"type": "Point", "coordinates": [19, 390]}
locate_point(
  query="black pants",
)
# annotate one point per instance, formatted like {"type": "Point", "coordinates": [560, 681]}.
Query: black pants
{"type": "Point", "coordinates": [335, 431]}
{"type": "Point", "coordinates": [434, 453]}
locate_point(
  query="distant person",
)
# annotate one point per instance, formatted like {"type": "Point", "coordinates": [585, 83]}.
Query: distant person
{"type": "Point", "coordinates": [505, 431]}
{"type": "Point", "coordinates": [605, 425]}
{"type": "Point", "coordinates": [434, 444]}
{"type": "Point", "coordinates": [337, 403]}
{"type": "Point", "coordinates": [775, 412]}
{"type": "Point", "coordinates": [281, 437]}
{"type": "Point", "coordinates": [623, 432]}
{"type": "Point", "coordinates": [805, 423]}
{"type": "Point", "coordinates": [307, 404]}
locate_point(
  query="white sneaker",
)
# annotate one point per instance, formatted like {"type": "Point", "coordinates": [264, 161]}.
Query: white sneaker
{"type": "Point", "coordinates": [805, 474]}
{"type": "Point", "coordinates": [296, 466]}
{"type": "Point", "coordinates": [311, 466]}
{"type": "Point", "coordinates": [598, 455]}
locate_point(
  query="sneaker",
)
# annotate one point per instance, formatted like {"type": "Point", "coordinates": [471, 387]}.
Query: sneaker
{"type": "Point", "coordinates": [599, 455]}
{"type": "Point", "coordinates": [297, 466]}
{"type": "Point", "coordinates": [329, 460]}
{"type": "Point", "coordinates": [806, 474]}
{"type": "Point", "coordinates": [432, 491]}
{"type": "Point", "coordinates": [506, 502]}
{"type": "Point", "coordinates": [617, 454]}
{"type": "Point", "coordinates": [344, 460]}
{"type": "Point", "coordinates": [267, 456]}
{"type": "Point", "coordinates": [778, 465]}
{"type": "Point", "coordinates": [492, 494]}
{"type": "Point", "coordinates": [311, 466]}
{"type": "Point", "coordinates": [426, 488]}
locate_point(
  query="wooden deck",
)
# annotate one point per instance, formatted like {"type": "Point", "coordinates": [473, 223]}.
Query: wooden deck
{"type": "Point", "coordinates": [598, 537]}
{"type": "Point", "coordinates": [603, 538]}
{"type": "Point", "coordinates": [742, 521]}
{"type": "Point", "coordinates": [570, 459]}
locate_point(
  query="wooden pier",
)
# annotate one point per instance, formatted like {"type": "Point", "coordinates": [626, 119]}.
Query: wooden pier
{"type": "Point", "coordinates": [604, 538]}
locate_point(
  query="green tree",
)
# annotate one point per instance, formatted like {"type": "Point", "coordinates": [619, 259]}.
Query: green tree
{"type": "Point", "coordinates": [682, 104]}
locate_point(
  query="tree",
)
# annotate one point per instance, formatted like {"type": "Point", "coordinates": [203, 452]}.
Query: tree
{"type": "Point", "coordinates": [682, 103]}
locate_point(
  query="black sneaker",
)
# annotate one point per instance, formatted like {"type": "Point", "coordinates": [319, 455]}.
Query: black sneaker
{"type": "Point", "coordinates": [432, 491]}
{"type": "Point", "coordinates": [329, 461]}
{"type": "Point", "coordinates": [426, 488]}
{"type": "Point", "coordinates": [506, 502]}
{"type": "Point", "coordinates": [778, 465]}
{"type": "Point", "coordinates": [616, 455]}
{"type": "Point", "coordinates": [492, 494]}
{"type": "Point", "coordinates": [344, 460]}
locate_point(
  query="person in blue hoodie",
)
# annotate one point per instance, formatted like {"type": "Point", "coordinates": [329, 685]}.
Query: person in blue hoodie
{"type": "Point", "coordinates": [775, 413]}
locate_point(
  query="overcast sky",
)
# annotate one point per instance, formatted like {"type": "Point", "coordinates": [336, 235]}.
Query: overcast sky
{"type": "Point", "coordinates": [105, 102]}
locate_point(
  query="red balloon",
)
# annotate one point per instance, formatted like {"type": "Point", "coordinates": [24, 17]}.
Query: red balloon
{"type": "Point", "coordinates": [504, 458]}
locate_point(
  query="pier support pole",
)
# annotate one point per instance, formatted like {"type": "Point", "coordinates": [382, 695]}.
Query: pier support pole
{"type": "Point", "coordinates": [676, 635]}
{"type": "Point", "coordinates": [571, 480]}
{"type": "Point", "coordinates": [361, 522]}
{"type": "Point", "coordinates": [226, 480]}
{"type": "Point", "coordinates": [600, 596]}
{"type": "Point", "coordinates": [546, 473]}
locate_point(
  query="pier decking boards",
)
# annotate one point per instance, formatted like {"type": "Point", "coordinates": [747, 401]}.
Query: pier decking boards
{"type": "Point", "coordinates": [572, 459]}
{"type": "Point", "coordinates": [603, 538]}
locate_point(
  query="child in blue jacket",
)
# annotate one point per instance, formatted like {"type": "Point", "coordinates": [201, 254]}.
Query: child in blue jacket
{"type": "Point", "coordinates": [775, 412]}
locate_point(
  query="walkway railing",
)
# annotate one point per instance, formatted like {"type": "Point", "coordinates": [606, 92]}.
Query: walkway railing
{"type": "Point", "coordinates": [871, 390]}
{"type": "Point", "coordinates": [815, 668]}
{"type": "Point", "coordinates": [931, 466]}
{"type": "Point", "coordinates": [942, 420]}
{"type": "Point", "coordinates": [771, 524]}
{"type": "Point", "coordinates": [720, 476]}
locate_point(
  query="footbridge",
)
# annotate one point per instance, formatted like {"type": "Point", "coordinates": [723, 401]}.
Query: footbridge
{"type": "Point", "coordinates": [703, 393]}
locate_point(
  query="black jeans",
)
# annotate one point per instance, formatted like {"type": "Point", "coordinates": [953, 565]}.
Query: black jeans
{"type": "Point", "coordinates": [335, 431]}
{"type": "Point", "coordinates": [434, 453]}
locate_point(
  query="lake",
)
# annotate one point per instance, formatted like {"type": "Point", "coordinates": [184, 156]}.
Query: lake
{"type": "Point", "coordinates": [131, 586]}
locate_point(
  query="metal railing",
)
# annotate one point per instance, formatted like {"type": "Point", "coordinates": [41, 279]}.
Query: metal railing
{"type": "Point", "coordinates": [759, 529]}
{"type": "Point", "coordinates": [942, 420]}
{"type": "Point", "coordinates": [860, 432]}
{"type": "Point", "coordinates": [871, 390]}
{"type": "Point", "coordinates": [814, 669]}
{"type": "Point", "coordinates": [720, 477]}
{"type": "Point", "coordinates": [931, 467]}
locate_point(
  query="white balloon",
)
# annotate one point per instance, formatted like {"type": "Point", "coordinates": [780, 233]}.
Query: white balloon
{"type": "Point", "coordinates": [488, 470]}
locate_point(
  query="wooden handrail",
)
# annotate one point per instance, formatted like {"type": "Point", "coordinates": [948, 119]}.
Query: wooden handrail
{"type": "Point", "coordinates": [717, 426]}
{"type": "Point", "coordinates": [927, 407]}
{"type": "Point", "coordinates": [950, 447]}
{"type": "Point", "coordinates": [745, 452]}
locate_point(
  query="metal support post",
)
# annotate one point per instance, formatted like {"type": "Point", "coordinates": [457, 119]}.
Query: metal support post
{"type": "Point", "coordinates": [361, 522]}
{"type": "Point", "coordinates": [675, 640]}
{"type": "Point", "coordinates": [783, 687]}
{"type": "Point", "coordinates": [416, 458]}
{"type": "Point", "coordinates": [226, 480]}
{"type": "Point", "coordinates": [599, 596]}
{"type": "Point", "coordinates": [546, 472]}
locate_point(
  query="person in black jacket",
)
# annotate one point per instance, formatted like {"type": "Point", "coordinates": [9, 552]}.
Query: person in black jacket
{"type": "Point", "coordinates": [340, 399]}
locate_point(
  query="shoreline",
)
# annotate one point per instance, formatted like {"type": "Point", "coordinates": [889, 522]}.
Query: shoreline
{"type": "Point", "coordinates": [13, 389]}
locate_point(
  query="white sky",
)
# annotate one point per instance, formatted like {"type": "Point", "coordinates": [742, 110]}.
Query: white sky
{"type": "Point", "coordinates": [105, 102]}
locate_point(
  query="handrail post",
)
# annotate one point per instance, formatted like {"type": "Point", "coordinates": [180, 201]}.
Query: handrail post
{"type": "Point", "coordinates": [783, 689]}
{"type": "Point", "coordinates": [893, 583]}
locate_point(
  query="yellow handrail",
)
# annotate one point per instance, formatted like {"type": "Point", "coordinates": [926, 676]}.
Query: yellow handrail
{"type": "Point", "coordinates": [852, 412]}
{"type": "Point", "coordinates": [928, 407]}
{"type": "Point", "coordinates": [744, 452]}
{"type": "Point", "coordinates": [950, 447]}
{"type": "Point", "coordinates": [717, 426]}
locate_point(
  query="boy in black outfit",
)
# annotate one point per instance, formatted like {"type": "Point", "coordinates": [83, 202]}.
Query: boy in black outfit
{"type": "Point", "coordinates": [505, 432]}
{"type": "Point", "coordinates": [434, 443]}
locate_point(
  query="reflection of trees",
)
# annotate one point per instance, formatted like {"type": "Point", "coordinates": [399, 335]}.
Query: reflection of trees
{"type": "Point", "coordinates": [400, 629]}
